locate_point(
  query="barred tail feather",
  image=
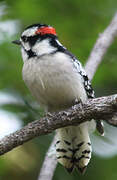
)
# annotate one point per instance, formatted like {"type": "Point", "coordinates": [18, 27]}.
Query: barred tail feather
{"type": "Point", "coordinates": [83, 155]}
{"type": "Point", "coordinates": [64, 148]}
{"type": "Point", "coordinates": [73, 147]}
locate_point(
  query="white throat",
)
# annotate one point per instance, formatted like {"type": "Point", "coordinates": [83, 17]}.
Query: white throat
{"type": "Point", "coordinates": [43, 47]}
{"type": "Point", "coordinates": [24, 54]}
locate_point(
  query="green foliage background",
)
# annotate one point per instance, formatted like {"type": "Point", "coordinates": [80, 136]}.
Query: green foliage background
{"type": "Point", "coordinates": [78, 24]}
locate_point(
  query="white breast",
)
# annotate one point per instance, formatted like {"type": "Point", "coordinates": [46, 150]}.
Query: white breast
{"type": "Point", "coordinates": [53, 80]}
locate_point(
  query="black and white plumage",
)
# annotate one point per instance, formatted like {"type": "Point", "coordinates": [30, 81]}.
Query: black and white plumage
{"type": "Point", "coordinates": [56, 78]}
{"type": "Point", "coordinates": [81, 71]}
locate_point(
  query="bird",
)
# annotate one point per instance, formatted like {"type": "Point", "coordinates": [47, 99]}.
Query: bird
{"type": "Point", "coordinates": [57, 79]}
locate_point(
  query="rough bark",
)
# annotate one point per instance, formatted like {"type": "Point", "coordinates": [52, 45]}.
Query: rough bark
{"type": "Point", "coordinates": [98, 108]}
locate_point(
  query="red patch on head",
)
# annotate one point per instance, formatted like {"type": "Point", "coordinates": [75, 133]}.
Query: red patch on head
{"type": "Point", "coordinates": [45, 30]}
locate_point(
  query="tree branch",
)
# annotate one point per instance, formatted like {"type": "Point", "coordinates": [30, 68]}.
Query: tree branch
{"type": "Point", "coordinates": [103, 42]}
{"type": "Point", "coordinates": [98, 108]}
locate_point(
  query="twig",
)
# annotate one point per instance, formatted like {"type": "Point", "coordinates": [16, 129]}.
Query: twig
{"type": "Point", "coordinates": [103, 42]}
{"type": "Point", "coordinates": [95, 58]}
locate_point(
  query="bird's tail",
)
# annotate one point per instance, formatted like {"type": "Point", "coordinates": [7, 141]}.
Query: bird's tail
{"type": "Point", "coordinates": [73, 147]}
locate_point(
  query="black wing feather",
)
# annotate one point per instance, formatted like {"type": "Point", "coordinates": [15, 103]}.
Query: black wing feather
{"type": "Point", "coordinates": [81, 71]}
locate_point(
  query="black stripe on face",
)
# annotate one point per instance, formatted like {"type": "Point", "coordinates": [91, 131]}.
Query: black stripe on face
{"type": "Point", "coordinates": [30, 39]}
{"type": "Point", "coordinates": [33, 39]}
{"type": "Point", "coordinates": [30, 53]}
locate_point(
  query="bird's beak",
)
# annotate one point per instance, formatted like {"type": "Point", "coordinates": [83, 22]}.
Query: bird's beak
{"type": "Point", "coordinates": [18, 42]}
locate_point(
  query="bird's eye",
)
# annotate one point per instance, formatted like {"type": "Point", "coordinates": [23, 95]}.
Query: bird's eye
{"type": "Point", "coordinates": [24, 38]}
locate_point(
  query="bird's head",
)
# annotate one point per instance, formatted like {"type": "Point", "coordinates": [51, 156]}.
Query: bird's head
{"type": "Point", "coordinates": [37, 39]}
